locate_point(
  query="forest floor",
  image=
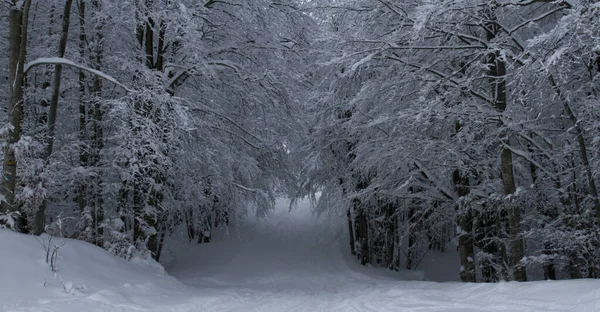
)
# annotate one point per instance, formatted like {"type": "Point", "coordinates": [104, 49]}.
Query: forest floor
{"type": "Point", "coordinates": [287, 262]}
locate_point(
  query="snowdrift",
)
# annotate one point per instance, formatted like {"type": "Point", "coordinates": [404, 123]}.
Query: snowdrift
{"type": "Point", "coordinates": [87, 278]}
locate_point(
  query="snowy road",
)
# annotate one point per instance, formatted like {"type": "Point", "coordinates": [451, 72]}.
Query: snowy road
{"type": "Point", "coordinates": [294, 262]}
{"type": "Point", "coordinates": [289, 262]}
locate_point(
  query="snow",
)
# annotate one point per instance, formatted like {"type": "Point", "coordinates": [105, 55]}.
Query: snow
{"type": "Point", "coordinates": [363, 61]}
{"type": "Point", "coordinates": [288, 262]}
{"type": "Point", "coordinates": [88, 279]}
{"type": "Point", "coordinates": [63, 61]}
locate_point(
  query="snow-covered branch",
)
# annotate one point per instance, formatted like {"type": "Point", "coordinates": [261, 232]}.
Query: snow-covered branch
{"type": "Point", "coordinates": [63, 61]}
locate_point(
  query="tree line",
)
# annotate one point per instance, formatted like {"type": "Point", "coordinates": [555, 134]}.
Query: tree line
{"type": "Point", "coordinates": [127, 120]}
{"type": "Point", "coordinates": [462, 124]}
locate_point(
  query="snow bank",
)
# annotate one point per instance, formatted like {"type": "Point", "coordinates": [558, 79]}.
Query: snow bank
{"type": "Point", "coordinates": [87, 279]}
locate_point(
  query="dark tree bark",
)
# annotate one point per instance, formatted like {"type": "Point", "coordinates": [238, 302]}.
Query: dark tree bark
{"type": "Point", "coordinates": [40, 216]}
{"type": "Point", "coordinates": [464, 221]}
{"type": "Point", "coordinates": [390, 231]}
{"type": "Point", "coordinates": [497, 74]}
{"type": "Point", "coordinates": [83, 148]}
{"type": "Point", "coordinates": [97, 133]}
{"type": "Point", "coordinates": [411, 238]}
{"type": "Point", "coordinates": [189, 223]}
{"type": "Point", "coordinates": [17, 46]}
{"type": "Point", "coordinates": [486, 240]}
{"type": "Point", "coordinates": [548, 266]}
{"type": "Point", "coordinates": [351, 231]}
{"type": "Point", "coordinates": [362, 233]}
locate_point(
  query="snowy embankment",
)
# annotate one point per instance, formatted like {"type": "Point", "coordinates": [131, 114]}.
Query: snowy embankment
{"type": "Point", "coordinates": [289, 262]}
{"type": "Point", "coordinates": [87, 278]}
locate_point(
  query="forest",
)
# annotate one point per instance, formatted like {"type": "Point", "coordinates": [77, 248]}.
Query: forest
{"type": "Point", "coordinates": [431, 125]}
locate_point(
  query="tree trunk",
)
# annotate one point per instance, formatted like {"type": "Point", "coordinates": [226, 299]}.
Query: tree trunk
{"type": "Point", "coordinates": [160, 58]}
{"type": "Point", "coordinates": [189, 222]}
{"type": "Point", "coordinates": [486, 241]}
{"type": "Point", "coordinates": [83, 146]}
{"type": "Point", "coordinates": [123, 207]}
{"type": "Point", "coordinates": [351, 231]}
{"type": "Point", "coordinates": [574, 266]}
{"type": "Point", "coordinates": [398, 248]}
{"type": "Point", "coordinates": [464, 220]}
{"type": "Point", "coordinates": [17, 42]}
{"type": "Point", "coordinates": [145, 37]}
{"type": "Point", "coordinates": [160, 244]}
{"type": "Point", "coordinates": [390, 230]}
{"type": "Point", "coordinates": [40, 216]}
{"type": "Point", "coordinates": [549, 270]}
{"type": "Point", "coordinates": [138, 205]}
{"type": "Point", "coordinates": [153, 220]}
{"type": "Point", "coordinates": [96, 188]}
{"type": "Point", "coordinates": [411, 238]}
{"type": "Point", "coordinates": [149, 43]}
{"type": "Point", "coordinates": [517, 248]}
{"type": "Point", "coordinates": [465, 246]}
{"type": "Point", "coordinates": [362, 233]}
{"type": "Point", "coordinates": [497, 73]}
{"type": "Point", "coordinates": [548, 266]}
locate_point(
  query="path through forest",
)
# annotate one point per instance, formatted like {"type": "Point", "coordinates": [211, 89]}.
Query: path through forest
{"type": "Point", "coordinates": [293, 261]}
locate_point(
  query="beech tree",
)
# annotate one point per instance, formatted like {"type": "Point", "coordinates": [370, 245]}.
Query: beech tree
{"type": "Point", "coordinates": [17, 44]}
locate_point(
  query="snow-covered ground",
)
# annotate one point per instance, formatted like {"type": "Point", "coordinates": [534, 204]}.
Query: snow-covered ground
{"type": "Point", "coordinates": [289, 262]}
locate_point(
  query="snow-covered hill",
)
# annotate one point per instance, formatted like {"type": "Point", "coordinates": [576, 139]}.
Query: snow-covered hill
{"type": "Point", "coordinates": [289, 262]}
